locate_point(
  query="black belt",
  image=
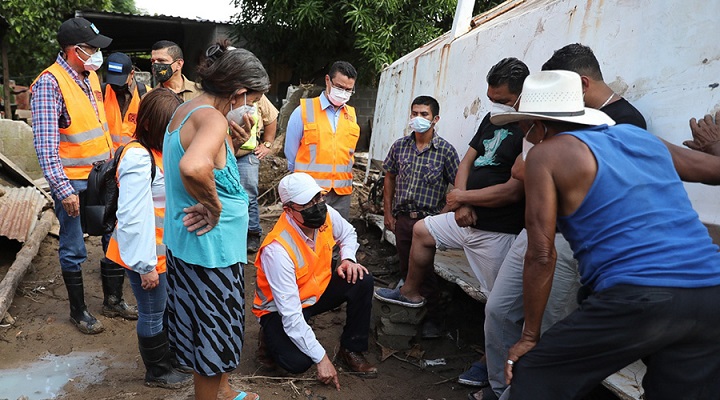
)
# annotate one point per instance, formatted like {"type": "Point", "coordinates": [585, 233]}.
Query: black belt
{"type": "Point", "coordinates": [414, 214]}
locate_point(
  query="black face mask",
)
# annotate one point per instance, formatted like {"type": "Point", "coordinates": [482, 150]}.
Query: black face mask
{"type": "Point", "coordinates": [314, 216]}
{"type": "Point", "coordinates": [162, 72]}
{"type": "Point", "coordinates": [120, 88]}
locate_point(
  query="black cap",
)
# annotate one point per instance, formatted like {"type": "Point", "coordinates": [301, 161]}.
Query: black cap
{"type": "Point", "coordinates": [119, 66]}
{"type": "Point", "coordinates": [80, 30]}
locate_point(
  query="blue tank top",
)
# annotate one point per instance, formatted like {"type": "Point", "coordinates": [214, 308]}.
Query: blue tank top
{"type": "Point", "coordinates": [636, 224]}
{"type": "Point", "coordinates": [226, 243]}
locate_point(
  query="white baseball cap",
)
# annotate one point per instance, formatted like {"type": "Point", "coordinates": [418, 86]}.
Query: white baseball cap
{"type": "Point", "coordinates": [299, 188]}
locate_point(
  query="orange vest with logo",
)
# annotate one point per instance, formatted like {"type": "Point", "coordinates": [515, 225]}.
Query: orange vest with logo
{"type": "Point", "coordinates": [122, 129]}
{"type": "Point", "coordinates": [87, 139]}
{"type": "Point", "coordinates": [325, 155]}
{"type": "Point", "coordinates": [113, 250]}
{"type": "Point", "coordinates": [313, 268]}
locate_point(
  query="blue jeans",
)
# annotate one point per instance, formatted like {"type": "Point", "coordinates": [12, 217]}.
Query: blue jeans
{"type": "Point", "coordinates": [249, 168]}
{"type": "Point", "coordinates": [71, 250]}
{"type": "Point", "coordinates": [151, 304]}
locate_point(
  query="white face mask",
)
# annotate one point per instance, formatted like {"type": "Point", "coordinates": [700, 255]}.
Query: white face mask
{"type": "Point", "coordinates": [526, 143]}
{"type": "Point", "coordinates": [496, 108]}
{"type": "Point", "coordinates": [94, 62]}
{"type": "Point", "coordinates": [420, 124]}
{"type": "Point", "coordinates": [236, 114]}
{"type": "Point", "coordinates": [338, 97]}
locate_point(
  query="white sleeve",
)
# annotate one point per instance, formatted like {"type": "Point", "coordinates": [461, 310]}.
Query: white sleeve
{"type": "Point", "coordinates": [280, 272]}
{"type": "Point", "coordinates": [135, 230]}
{"type": "Point", "coordinates": [344, 234]}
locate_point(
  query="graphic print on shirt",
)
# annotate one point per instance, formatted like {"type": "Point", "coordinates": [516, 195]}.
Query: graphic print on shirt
{"type": "Point", "coordinates": [491, 147]}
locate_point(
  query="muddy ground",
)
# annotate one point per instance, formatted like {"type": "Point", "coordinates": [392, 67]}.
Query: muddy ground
{"type": "Point", "coordinates": [41, 327]}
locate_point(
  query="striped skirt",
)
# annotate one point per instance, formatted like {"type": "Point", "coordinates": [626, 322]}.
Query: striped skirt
{"type": "Point", "coordinates": [206, 315]}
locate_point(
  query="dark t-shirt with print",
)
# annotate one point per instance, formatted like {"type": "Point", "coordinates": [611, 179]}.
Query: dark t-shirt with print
{"type": "Point", "coordinates": [497, 148]}
{"type": "Point", "coordinates": [622, 112]}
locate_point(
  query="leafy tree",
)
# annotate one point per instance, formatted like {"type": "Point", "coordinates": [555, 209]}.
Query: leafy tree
{"type": "Point", "coordinates": [33, 28]}
{"type": "Point", "coordinates": [307, 35]}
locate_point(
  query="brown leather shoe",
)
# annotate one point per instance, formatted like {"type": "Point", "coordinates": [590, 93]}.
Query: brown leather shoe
{"type": "Point", "coordinates": [357, 362]}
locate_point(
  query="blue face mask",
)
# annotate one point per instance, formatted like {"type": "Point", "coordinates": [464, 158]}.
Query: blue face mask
{"type": "Point", "coordinates": [420, 124]}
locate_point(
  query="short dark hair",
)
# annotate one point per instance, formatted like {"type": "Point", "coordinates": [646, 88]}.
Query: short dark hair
{"type": "Point", "coordinates": [427, 101]}
{"type": "Point", "coordinates": [577, 58]}
{"type": "Point", "coordinates": [510, 71]}
{"type": "Point", "coordinates": [156, 109]}
{"type": "Point", "coordinates": [173, 49]}
{"type": "Point", "coordinates": [344, 68]}
{"type": "Point", "coordinates": [224, 70]}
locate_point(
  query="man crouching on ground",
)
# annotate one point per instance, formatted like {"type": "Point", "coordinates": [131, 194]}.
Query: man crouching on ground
{"type": "Point", "coordinates": [295, 281]}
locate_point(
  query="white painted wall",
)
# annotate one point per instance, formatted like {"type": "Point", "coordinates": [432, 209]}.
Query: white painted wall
{"type": "Point", "coordinates": [661, 55]}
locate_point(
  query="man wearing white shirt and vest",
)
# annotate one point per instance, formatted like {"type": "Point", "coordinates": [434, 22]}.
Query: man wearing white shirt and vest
{"type": "Point", "coordinates": [321, 137]}
{"type": "Point", "coordinates": [70, 132]}
{"type": "Point", "coordinates": [122, 98]}
{"type": "Point", "coordinates": [295, 281]}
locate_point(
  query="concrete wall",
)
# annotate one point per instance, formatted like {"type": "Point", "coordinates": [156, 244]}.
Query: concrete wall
{"type": "Point", "coordinates": [364, 102]}
{"type": "Point", "coordinates": [16, 142]}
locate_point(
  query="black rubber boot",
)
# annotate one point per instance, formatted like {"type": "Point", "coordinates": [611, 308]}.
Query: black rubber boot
{"type": "Point", "coordinates": [157, 357]}
{"type": "Point", "coordinates": [113, 276]}
{"type": "Point", "coordinates": [79, 315]}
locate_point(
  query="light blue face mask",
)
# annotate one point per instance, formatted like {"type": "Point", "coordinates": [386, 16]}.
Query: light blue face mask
{"type": "Point", "coordinates": [420, 124]}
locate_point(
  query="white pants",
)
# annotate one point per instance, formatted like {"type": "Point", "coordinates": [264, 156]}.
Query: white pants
{"type": "Point", "coordinates": [484, 250]}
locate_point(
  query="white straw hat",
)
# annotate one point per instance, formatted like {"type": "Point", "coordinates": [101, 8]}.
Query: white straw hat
{"type": "Point", "coordinates": [554, 96]}
{"type": "Point", "coordinates": [298, 187]}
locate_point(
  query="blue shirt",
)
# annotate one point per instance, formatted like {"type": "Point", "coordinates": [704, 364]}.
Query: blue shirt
{"type": "Point", "coordinates": [294, 131]}
{"type": "Point", "coordinates": [226, 243]}
{"type": "Point", "coordinates": [636, 224]}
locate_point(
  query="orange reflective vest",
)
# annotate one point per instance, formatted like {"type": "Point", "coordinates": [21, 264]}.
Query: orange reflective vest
{"type": "Point", "coordinates": [325, 155]}
{"type": "Point", "coordinates": [312, 267]}
{"type": "Point", "coordinates": [87, 139]}
{"type": "Point", "coordinates": [113, 250]}
{"type": "Point", "coordinates": [122, 129]}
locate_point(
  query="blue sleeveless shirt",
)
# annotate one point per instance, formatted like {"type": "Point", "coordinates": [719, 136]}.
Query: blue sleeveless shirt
{"type": "Point", "coordinates": [226, 243]}
{"type": "Point", "coordinates": [636, 224]}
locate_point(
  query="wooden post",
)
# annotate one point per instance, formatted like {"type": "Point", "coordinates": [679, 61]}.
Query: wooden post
{"type": "Point", "coordinates": [23, 259]}
{"type": "Point", "coordinates": [6, 78]}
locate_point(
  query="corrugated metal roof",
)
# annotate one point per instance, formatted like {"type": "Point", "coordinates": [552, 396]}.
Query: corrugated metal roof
{"type": "Point", "coordinates": [19, 210]}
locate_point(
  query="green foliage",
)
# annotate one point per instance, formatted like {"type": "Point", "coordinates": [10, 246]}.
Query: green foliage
{"type": "Point", "coordinates": [33, 27]}
{"type": "Point", "coordinates": [307, 35]}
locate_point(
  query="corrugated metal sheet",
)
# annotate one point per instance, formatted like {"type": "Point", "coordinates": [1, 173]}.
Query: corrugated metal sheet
{"type": "Point", "coordinates": [19, 210]}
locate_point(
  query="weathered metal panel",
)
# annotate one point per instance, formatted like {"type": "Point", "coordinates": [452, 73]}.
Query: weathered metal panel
{"type": "Point", "coordinates": [19, 210]}
{"type": "Point", "coordinates": [662, 55]}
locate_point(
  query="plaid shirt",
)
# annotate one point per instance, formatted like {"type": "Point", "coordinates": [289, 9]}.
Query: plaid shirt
{"type": "Point", "coordinates": [422, 177]}
{"type": "Point", "coordinates": [49, 114]}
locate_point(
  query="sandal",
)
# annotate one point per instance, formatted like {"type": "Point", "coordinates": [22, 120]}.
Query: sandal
{"type": "Point", "coordinates": [242, 395]}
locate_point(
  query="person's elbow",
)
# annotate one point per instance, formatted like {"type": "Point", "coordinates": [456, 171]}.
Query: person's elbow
{"type": "Point", "coordinates": [194, 170]}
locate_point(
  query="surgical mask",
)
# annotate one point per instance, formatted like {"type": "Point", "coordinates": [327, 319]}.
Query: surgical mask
{"type": "Point", "coordinates": [420, 124]}
{"type": "Point", "coordinates": [496, 108]}
{"type": "Point", "coordinates": [314, 216]}
{"type": "Point", "coordinates": [94, 61]}
{"type": "Point", "coordinates": [526, 148]}
{"type": "Point", "coordinates": [338, 97]}
{"type": "Point", "coordinates": [236, 114]}
{"type": "Point", "coordinates": [162, 72]}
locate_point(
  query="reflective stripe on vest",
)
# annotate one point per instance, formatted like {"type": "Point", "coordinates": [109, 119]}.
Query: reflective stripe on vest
{"type": "Point", "coordinates": [87, 139]}
{"type": "Point", "coordinates": [312, 267]}
{"type": "Point", "coordinates": [325, 155]}
{"type": "Point", "coordinates": [122, 129]}
{"type": "Point", "coordinates": [113, 250]}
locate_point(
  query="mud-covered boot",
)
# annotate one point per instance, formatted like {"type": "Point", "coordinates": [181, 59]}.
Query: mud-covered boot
{"type": "Point", "coordinates": [113, 276]}
{"type": "Point", "coordinates": [157, 357]}
{"type": "Point", "coordinates": [79, 315]}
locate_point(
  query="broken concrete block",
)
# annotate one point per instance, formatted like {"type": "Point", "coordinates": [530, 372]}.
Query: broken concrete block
{"type": "Point", "coordinates": [395, 342]}
{"type": "Point", "coordinates": [387, 327]}
{"type": "Point", "coordinates": [397, 313]}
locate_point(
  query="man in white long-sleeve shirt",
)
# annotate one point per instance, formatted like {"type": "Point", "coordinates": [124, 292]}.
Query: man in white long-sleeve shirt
{"type": "Point", "coordinates": [295, 281]}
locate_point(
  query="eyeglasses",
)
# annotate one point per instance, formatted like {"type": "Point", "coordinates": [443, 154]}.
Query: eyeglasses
{"type": "Point", "coordinates": [92, 50]}
{"type": "Point", "coordinates": [317, 200]}
{"type": "Point", "coordinates": [351, 90]}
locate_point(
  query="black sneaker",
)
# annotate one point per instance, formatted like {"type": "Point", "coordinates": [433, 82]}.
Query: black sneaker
{"type": "Point", "coordinates": [253, 242]}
